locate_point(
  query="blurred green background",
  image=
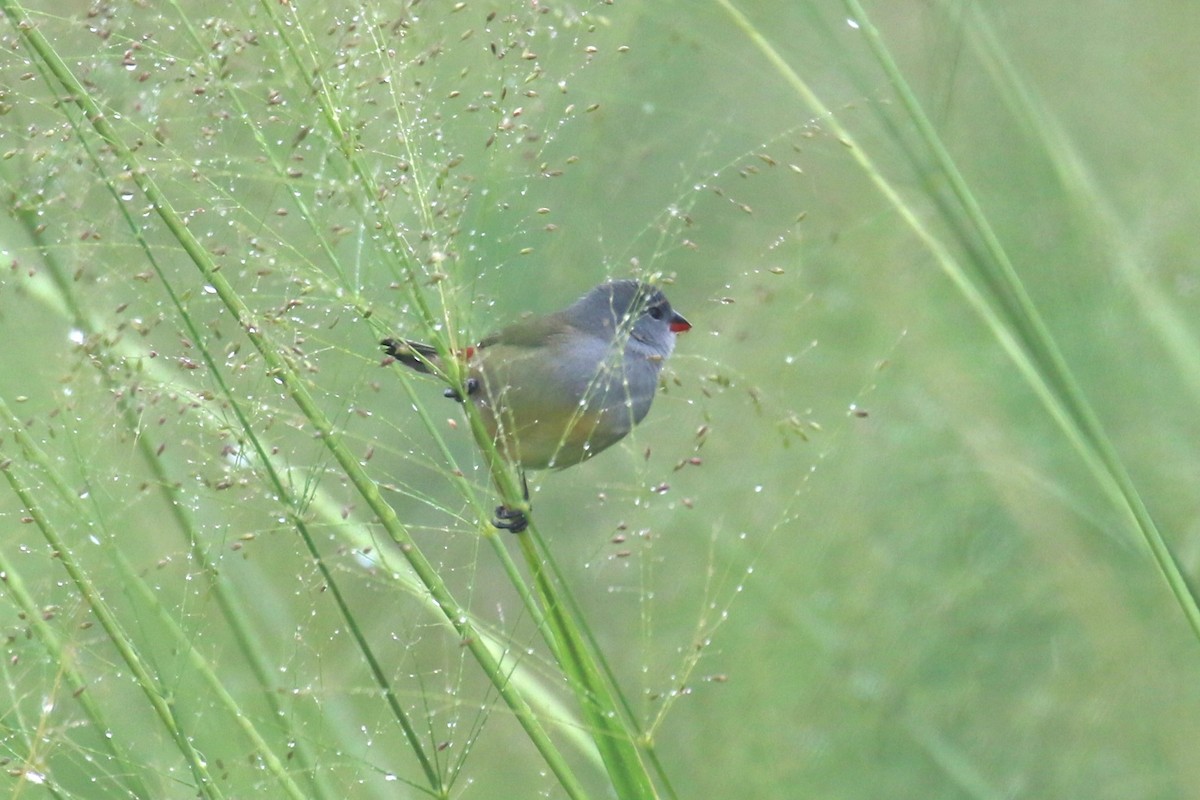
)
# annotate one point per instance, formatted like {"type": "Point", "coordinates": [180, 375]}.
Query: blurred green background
{"type": "Point", "coordinates": [889, 575]}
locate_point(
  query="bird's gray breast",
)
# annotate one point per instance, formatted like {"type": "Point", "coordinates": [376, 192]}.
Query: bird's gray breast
{"type": "Point", "coordinates": [624, 385]}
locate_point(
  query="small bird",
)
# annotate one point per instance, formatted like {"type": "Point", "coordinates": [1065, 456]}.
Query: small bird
{"type": "Point", "coordinates": [557, 389]}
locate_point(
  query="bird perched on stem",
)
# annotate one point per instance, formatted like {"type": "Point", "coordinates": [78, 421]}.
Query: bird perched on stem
{"type": "Point", "coordinates": [557, 389]}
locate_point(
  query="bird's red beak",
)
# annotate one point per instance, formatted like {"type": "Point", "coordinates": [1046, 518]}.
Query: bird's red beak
{"type": "Point", "coordinates": [679, 324]}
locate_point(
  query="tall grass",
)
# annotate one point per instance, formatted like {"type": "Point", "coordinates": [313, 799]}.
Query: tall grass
{"type": "Point", "coordinates": [884, 531]}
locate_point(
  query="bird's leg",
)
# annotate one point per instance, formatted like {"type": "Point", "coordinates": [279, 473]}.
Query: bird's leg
{"type": "Point", "coordinates": [513, 520]}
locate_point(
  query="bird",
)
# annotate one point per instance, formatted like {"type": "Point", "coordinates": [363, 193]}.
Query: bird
{"type": "Point", "coordinates": [557, 389]}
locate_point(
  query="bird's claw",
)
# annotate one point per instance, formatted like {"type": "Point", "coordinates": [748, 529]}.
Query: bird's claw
{"type": "Point", "coordinates": [513, 520]}
{"type": "Point", "coordinates": [472, 388]}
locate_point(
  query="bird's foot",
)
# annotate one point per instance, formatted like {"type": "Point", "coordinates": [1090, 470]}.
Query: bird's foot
{"type": "Point", "coordinates": [513, 520]}
{"type": "Point", "coordinates": [472, 388]}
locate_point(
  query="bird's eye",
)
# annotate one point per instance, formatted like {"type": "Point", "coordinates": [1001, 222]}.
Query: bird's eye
{"type": "Point", "coordinates": [655, 311]}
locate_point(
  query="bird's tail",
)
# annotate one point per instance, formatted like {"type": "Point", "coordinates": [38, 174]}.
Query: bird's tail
{"type": "Point", "coordinates": [411, 354]}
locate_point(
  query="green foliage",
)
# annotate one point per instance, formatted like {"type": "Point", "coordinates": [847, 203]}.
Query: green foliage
{"type": "Point", "coordinates": [906, 519]}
